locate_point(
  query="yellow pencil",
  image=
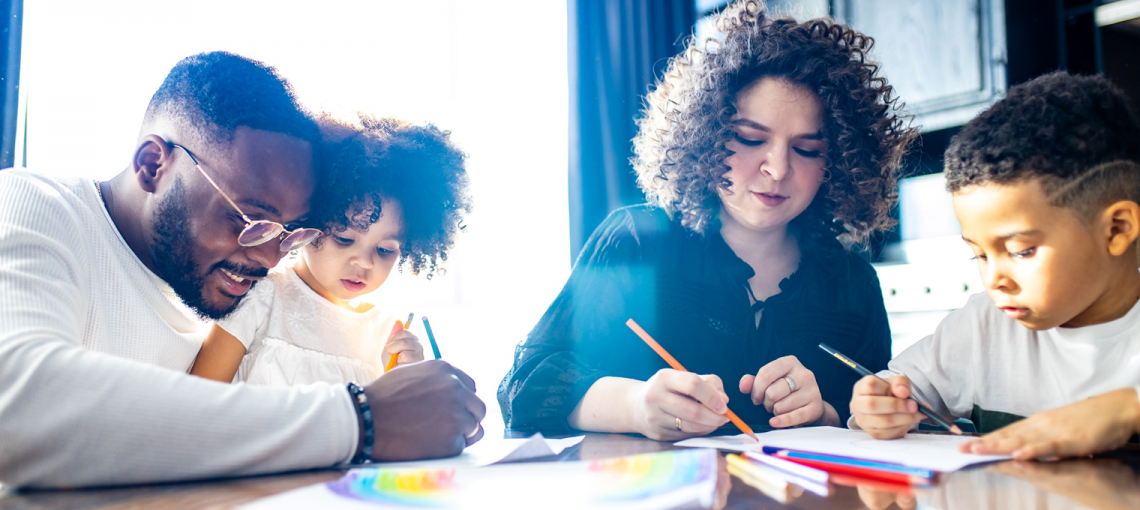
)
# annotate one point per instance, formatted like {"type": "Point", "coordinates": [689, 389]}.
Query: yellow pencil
{"type": "Point", "coordinates": [677, 366]}
{"type": "Point", "coordinates": [762, 479]}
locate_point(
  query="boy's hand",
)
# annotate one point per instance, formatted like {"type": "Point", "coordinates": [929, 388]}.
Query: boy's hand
{"type": "Point", "coordinates": [675, 405]}
{"type": "Point", "coordinates": [402, 344]}
{"type": "Point", "coordinates": [1090, 426]}
{"type": "Point", "coordinates": [884, 408]}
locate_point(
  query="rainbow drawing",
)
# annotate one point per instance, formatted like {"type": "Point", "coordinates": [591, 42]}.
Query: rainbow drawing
{"type": "Point", "coordinates": [404, 487]}
{"type": "Point", "coordinates": [635, 482]}
{"type": "Point", "coordinates": [643, 476]}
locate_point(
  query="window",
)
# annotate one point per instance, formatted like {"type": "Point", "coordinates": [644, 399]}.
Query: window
{"type": "Point", "coordinates": [493, 72]}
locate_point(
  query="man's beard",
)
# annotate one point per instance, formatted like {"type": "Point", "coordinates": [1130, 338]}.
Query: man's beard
{"type": "Point", "coordinates": [173, 254]}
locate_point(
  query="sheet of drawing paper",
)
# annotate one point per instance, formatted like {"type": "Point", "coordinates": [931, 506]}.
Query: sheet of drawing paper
{"type": "Point", "coordinates": [937, 452]}
{"type": "Point", "coordinates": [491, 450]}
{"type": "Point", "coordinates": [533, 447]}
{"type": "Point", "coordinates": [664, 480]}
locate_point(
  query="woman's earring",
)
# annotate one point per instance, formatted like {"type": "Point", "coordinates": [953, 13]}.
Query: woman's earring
{"type": "Point", "coordinates": [826, 176]}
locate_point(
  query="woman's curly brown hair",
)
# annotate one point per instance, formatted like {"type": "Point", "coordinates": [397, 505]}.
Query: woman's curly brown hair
{"type": "Point", "coordinates": [680, 147]}
{"type": "Point", "coordinates": [378, 159]}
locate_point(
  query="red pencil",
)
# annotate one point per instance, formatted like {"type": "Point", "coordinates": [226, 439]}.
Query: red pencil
{"type": "Point", "coordinates": [862, 472]}
{"type": "Point", "coordinates": [855, 481]}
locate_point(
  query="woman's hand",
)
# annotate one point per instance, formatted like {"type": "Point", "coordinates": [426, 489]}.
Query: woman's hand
{"type": "Point", "coordinates": [403, 344]}
{"type": "Point", "coordinates": [675, 405]}
{"type": "Point", "coordinates": [794, 402]}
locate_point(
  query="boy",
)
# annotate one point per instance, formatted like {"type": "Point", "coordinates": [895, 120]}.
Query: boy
{"type": "Point", "coordinates": [1046, 185]}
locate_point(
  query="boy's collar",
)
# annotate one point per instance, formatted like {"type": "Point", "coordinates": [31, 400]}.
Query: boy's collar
{"type": "Point", "coordinates": [1094, 333]}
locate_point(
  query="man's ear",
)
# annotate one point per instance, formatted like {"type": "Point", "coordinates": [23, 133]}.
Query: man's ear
{"type": "Point", "coordinates": [1123, 220]}
{"type": "Point", "coordinates": [151, 162]}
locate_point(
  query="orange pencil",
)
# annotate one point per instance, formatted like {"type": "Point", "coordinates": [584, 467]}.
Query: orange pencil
{"type": "Point", "coordinates": [400, 326]}
{"type": "Point", "coordinates": [677, 366]}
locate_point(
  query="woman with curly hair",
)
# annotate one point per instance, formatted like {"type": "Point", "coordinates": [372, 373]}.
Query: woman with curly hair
{"type": "Point", "coordinates": [758, 154]}
{"type": "Point", "coordinates": [391, 194]}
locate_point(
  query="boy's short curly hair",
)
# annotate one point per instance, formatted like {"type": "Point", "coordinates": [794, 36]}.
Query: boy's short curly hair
{"type": "Point", "coordinates": [1077, 134]}
{"type": "Point", "coordinates": [376, 159]}
{"type": "Point", "coordinates": [680, 147]}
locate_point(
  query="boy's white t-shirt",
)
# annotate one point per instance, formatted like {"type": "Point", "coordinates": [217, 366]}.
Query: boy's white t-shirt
{"type": "Point", "coordinates": [980, 357]}
{"type": "Point", "coordinates": [294, 336]}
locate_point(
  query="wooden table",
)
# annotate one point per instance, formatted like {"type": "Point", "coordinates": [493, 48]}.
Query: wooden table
{"type": "Point", "coordinates": [1110, 481]}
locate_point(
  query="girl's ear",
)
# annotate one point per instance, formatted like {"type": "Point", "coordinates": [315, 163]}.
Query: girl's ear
{"type": "Point", "coordinates": [151, 162]}
{"type": "Point", "coordinates": [1123, 220]}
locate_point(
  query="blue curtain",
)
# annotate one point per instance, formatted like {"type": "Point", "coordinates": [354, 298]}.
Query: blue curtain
{"type": "Point", "coordinates": [11, 28]}
{"type": "Point", "coordinates": [617, 48]}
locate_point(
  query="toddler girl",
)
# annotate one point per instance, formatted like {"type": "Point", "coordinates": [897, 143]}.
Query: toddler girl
{"type": "Point", "coordinates": [390, 194]}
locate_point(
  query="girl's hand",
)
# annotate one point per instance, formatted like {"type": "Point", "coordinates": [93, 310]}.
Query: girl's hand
{"type": "Point", "coordinates": [797, 402]}
{"type": "Point", "coordinates": [675, 405]}
{"type": "Point", "coordinates": [404, 345]}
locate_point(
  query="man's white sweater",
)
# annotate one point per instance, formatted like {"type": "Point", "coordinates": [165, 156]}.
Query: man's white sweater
{"type": "Point", "coordinates": [94, 350]}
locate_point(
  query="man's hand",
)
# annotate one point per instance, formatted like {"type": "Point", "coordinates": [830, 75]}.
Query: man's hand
{"type": "Point", "coordinates": [884, 408]}
{"type": "Point", "coordinates": [798, 405]}
{"type": "Point", "coordinates": [1090, 426]}
{"type": "Point", "coordinates": [425, 410]}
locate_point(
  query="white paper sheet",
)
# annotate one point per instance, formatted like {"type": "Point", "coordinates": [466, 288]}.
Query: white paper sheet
{"type": "Point", "coordinates": [501, 451]}
{"type": "Point", "coordinates": [492, 450]}
{"type": "Point", "coordinates": [936, 452]}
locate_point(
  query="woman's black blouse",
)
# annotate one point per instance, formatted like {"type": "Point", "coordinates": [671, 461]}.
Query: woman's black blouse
{"type": "Point", "coordinates": [690, 293]}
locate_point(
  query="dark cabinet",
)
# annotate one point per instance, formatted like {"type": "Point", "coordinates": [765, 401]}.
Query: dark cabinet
{"type": "Point", "coordinates": [945, 58]}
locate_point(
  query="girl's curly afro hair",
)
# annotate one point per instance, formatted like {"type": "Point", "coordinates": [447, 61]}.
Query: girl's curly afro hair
{"type": "Point", "coordinates": [376, 159]}
{"type": "Point", "coordinates": [680, 147]}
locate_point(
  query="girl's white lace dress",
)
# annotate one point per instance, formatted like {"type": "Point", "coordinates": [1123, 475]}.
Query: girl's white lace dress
{"type": "Point", "coordinates": [294, 336]}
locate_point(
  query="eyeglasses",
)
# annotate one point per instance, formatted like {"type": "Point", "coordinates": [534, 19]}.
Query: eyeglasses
{"type": "Point", "coordinates": [258, 232]}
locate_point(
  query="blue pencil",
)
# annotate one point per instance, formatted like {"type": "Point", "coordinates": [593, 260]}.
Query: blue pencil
{"type": "Point", "coordinates": [850, 461]}
{"type": "Point", "coordinates": [431, 338]}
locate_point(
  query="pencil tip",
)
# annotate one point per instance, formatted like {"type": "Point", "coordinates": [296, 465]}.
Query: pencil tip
{"type": "Point", "coordinates": [955, 429]}
{"type": "Point", "coordinates": [753, 436]}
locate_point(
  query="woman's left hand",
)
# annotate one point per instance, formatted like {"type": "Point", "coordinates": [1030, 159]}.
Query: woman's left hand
{"type": "Point", "coordinates": [787, 389]}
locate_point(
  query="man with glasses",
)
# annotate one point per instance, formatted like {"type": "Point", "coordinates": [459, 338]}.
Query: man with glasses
{"type": "Point", "coordinates": [106, 289]}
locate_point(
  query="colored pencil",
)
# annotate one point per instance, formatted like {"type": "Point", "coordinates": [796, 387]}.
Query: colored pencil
{"type": "Point", "coordinates": [851, 461]}
{"type": "Point", "coordinates": [408, 323]}
{"type": "Point", "coordinates": [765, 480]}
{"type": "Point", "coordinates": [811, 479]}
{"type": "Point", "coordinates": [805, 472]}
{"type": "Point", "coordinates": [923, 407]}
{"type": "Point", "coordinates": [862, 472]}
{"type": "Point", "coordinates": [677, 366]}
{"type": "Point", "coordinates": [858, 482]}
{"type": "Point", "coordinates": [431, 338]}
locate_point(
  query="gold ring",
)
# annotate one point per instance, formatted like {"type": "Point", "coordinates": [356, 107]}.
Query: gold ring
{"type": "Point", "coordinates": [474, 432]}
{"type": "Point", "coordinates": [678, 423]}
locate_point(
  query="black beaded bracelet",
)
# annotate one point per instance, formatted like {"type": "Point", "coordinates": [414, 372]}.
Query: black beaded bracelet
{"type": "Point", "coordinates": [365, 411]}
